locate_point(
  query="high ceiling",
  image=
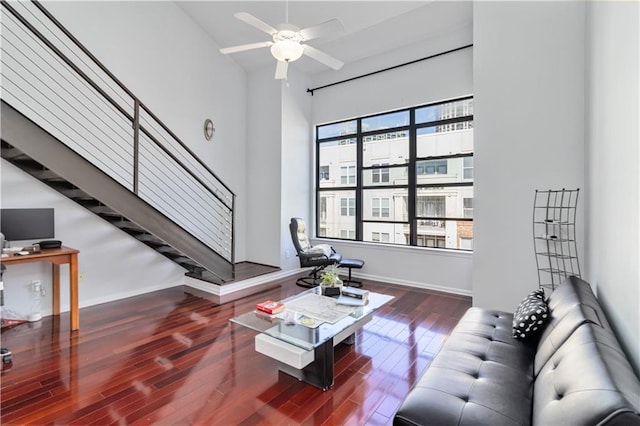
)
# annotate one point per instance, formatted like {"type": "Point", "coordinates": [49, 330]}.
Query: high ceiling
{"type": "Point", "coordinates": [371, 27]}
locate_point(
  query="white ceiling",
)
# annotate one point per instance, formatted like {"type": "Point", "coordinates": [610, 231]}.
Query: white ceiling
{"type": "Point", "coordinates": [371, 27]}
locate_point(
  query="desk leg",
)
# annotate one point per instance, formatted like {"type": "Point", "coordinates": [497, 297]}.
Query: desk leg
{"type": "Point", "coordinates": [73, 289]}
{"type": "Point", "coordinates": [55, 290]}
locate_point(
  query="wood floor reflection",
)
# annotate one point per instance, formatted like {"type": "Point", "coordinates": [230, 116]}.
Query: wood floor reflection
{"type": "Point", "coordinates": [173, 357]}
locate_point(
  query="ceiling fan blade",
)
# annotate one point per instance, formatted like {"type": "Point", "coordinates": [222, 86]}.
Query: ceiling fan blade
{"type": "Point", "coordinates": [243, 47]}
{"type": "Point", "coordinates": [255, 22]}
{"type": "Point", "coordinates": [281, 70]}
{"type": "Point", "coordinates": [322, 57]}
{"type": "Point", "coordinates": [331, 26]}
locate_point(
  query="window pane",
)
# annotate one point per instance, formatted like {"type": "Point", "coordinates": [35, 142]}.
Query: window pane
{"type": "Point", "coordinates": [395, 233]}
{"type": "Point", "coordinates": [451, 234]}
{"type": "Point", "coordinates": [323, 173]}
{"type": "Point", "coordinates": [333, 157]}
{"type": "Point", "coordinates": [347, 206]}
{"type": "Point", "coordinates": [385, 121]}
{"type": "Point", "coordinates": [468, 168]}
{"type": "Point", "coordinates": [332, 205]}
{"type": "Point", "coordinates": [380, 208]}
{"type": "Point", "coordinates": [385, 176]}
{"type": "Point", "coordinates": [347, 234]}
{"type": "Point", "coordinates": [385, 204]}
{"type": "Point", "coordinates": [338, 129]}
{"type": "Point", "coordinates": [348, 175]}
{"type": "Point", "coordinates": [466, 243]}
{"type": "Point", "coordinates": [380, 237]}
{"type": "Point", "coordinates": [430, 206]}
{"type": "Point", "coordinates": [443, 201]}
{"type": "Point", "coordinates": [434, 143]}
{"type": "Point", "coordinates": [467, 205]}
{"type": "Point", "coordinates": [441, 171]}
{"type": "Point", "coordinates": [385, 148]}
{"type": "Point", "coordinates": [445, 111]}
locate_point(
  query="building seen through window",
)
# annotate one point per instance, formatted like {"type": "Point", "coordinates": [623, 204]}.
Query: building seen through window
{"type": "Point", "coordinates": [403, 177]}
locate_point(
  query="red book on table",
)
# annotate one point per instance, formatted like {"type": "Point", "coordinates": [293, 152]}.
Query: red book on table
{"type": "Point", "coordinates": [270, 307]}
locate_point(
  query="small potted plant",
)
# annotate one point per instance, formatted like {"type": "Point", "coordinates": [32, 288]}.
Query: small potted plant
{"type": "Point", "coordinates": [331, 282]}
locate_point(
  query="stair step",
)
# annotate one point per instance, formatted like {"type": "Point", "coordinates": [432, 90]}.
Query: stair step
{"type": "Point", "coordinates": [149, 239]}
{"type": "Point", "coordinates": [168, 250]}
{"type": "Point", "coordinates": [11, 153]}
{"type": "Point", "coordinates": [185, 261]}
{"type": "Point", "coordinates": [125, 224]}
{"type": "Point", "coordinates": [76, 194]}
{"type": "Point", "coordinates": [26, 163]}
{"type": "Point", "coordinates": [47, 175]}
{"type": "Point", "coordinates": [103, 210]}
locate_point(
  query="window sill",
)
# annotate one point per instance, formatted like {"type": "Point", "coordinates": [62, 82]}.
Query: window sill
{"type": "Point", "coordinates": [395, 248]}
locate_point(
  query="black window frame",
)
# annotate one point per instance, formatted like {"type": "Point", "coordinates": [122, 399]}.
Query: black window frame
{"type": "Point", "coordinates": [412, 186]}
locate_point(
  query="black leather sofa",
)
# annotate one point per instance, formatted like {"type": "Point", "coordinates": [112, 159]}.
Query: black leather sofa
{"type": "Point", "coordinates": [575, 373]}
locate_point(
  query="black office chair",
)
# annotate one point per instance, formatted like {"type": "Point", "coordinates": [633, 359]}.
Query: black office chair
{"type": "Point", "coordinates": [318, 257]}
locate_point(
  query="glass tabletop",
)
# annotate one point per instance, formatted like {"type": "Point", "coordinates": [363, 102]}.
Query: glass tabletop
{"type": "Point", "coordinates": [310, 319]}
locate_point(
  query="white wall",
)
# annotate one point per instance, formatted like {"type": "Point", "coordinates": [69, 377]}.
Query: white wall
{"type": "Point", "coordinates": [613, 213]}
{"type": "Point", "coordinates": [113, 264]}
{"type": "Point", "coordinates": [529, 134]}
{"type": "Point", "coordinates": [440, 78]}
{"type": "Point", "coordinates": [297, 148]}
{"type": "Point", "coordinates": [432, 80]}
{"type": "Point", "coordinates": [278, 171]}
{"type": "Point", "coordinates": [174, 67]}
{"type": "Point", "coordinates": [264, 140]}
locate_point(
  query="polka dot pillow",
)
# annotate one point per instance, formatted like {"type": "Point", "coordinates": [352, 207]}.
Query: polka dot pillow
{"type": "Point", "coordinates": [531, 316]}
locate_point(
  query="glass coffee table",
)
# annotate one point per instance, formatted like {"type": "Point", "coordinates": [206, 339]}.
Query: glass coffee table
{"type": "Point", "coordinates": [302, 337]}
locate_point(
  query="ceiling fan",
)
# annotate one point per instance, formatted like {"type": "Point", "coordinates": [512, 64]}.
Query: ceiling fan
{"type": "Point", "coordinates": [287, 43]}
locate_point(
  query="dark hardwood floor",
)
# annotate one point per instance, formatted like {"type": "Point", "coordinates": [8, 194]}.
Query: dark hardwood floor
{"type": "Point", "coordinates": [246, 270]}
{"type": "Point", "coordinates": [173, 357]}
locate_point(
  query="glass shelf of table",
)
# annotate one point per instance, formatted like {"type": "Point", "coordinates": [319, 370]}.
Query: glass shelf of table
{"type": "Point", "coordinates": [310, 337]}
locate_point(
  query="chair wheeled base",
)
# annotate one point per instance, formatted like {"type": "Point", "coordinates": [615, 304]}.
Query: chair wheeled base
{"type": "Point", "coordinates": [311, 280]}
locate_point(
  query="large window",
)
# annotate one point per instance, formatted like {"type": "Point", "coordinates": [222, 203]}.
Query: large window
{"type": "Point", "coordinates": [405, 177]}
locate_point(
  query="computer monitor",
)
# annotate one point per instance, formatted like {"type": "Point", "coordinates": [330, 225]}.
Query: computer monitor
{"type": "Point", "coordinates": [27, 224]}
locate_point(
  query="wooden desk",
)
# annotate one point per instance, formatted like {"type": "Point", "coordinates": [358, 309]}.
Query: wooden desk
{"type": "Point", "coordinates": [57, 257]}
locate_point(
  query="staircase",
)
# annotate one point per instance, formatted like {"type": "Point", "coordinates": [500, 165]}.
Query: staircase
{"type": "Point", "coordinates": [122, 164]}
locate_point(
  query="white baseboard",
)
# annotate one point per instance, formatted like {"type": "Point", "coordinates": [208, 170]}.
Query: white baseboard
{"type": "Point", "coordinates": [262, 279]}
{"type": "Point", "coordinates": [416, 284]}
{"type": "Point", "coordinates": [231, 288]}
{"type": "Point", "coordinates": [118, 296]}
{"type": "Point", "coordinates": [254, 282]}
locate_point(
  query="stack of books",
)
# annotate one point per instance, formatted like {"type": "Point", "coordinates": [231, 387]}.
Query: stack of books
{"type": "Point", "coordinates": [353, 296]}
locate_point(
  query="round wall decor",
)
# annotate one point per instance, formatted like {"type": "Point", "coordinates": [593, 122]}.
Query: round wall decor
{"type": "Point", "coordinates": [209, 129]}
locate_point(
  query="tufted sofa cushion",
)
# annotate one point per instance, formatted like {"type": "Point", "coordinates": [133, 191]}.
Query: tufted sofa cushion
{"type": "Point", "coordinates": [587, 381]}
{"type": "Point", "coordinates": [482, 375]}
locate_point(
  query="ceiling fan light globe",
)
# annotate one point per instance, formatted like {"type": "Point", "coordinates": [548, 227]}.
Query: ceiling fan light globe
{"type": "Point", "coordinates": [287, 50]}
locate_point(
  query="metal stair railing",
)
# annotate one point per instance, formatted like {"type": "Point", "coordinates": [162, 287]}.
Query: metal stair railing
{"type": "Point", "coordinates": [52, 79]}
